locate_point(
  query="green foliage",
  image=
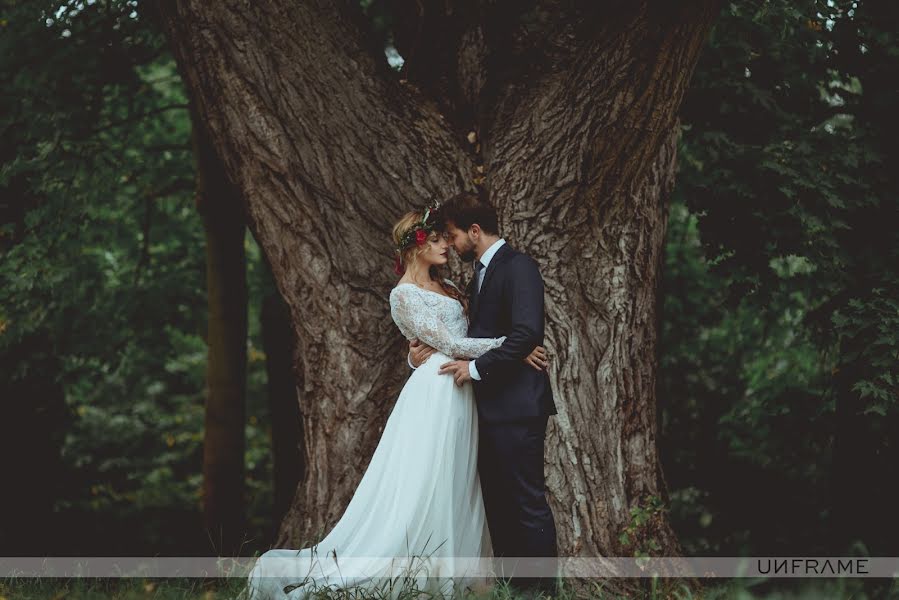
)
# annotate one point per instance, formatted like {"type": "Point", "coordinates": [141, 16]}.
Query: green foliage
{"type": "Point", "coordinates": [638, 538]}
{"type": "Point", "coordinates": [782, 270]}
{"type": "Point", "coordinates": [103, 261]}
{"type": "Point", "coordinates": [785, 156]}
{"type": "Point", "coordinates": [877, 316]}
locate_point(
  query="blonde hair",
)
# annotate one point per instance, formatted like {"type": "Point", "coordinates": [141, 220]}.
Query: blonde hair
{"type": "Point", "coordinates": [409, 255]}
{"type": "Point", "coordinates": [407, 222]}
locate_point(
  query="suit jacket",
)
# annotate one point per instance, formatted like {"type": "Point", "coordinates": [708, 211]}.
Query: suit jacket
{"type": "Point", "coordinates": [509, 304]}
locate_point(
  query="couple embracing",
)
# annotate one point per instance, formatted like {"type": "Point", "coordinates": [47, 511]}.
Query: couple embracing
{"type": "Point", "coordinates": [458, 471]}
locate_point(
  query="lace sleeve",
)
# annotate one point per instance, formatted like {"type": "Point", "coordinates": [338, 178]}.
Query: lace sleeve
{"type": "Point", "coordinates": [416, 319]}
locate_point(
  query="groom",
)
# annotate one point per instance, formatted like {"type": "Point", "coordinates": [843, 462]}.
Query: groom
{"type": "Point", "coordinates": [514, 400]}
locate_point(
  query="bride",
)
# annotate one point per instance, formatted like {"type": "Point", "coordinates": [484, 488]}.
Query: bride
{"type": "Point", "coordinates": [420, 495]}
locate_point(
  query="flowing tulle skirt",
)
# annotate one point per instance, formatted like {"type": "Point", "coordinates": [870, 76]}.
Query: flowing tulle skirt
{"type": "Point", "coordinates": [419, 497]}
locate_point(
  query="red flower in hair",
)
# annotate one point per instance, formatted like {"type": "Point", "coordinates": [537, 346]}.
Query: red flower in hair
{"type": "Point", "coordinates": [421, 236]}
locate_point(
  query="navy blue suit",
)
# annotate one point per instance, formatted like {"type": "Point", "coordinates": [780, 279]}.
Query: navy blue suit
{"type": "Point", "coordinates": [510, 303]}
{"type": "Point", "coordinates": [514, 403]}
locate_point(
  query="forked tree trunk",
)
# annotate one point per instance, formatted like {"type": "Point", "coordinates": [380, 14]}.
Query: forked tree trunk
{"type": "Point", "coordinates": [574, 106]}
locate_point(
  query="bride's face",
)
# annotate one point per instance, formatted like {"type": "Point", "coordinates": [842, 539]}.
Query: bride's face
{"type": "Point", "coordinates": [436, 251]}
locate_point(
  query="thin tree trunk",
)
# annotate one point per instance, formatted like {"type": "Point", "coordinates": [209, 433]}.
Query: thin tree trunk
{"type": "Point", "coordinates": [574, 110]}
{"type": "Point", "coordinates": [283, 389]}
{"type": "Point", "coordinates": [36, 419]}
{"type": "Point", "coordinates": [224, 442]}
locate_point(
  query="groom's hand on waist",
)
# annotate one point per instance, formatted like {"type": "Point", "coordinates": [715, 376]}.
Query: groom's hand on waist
{"type": "Point", "coordinates": [458, 369]}
{"type": "Point", "coordinates": [419, 352]}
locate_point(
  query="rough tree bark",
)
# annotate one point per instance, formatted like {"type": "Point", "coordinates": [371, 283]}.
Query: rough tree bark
{"type": "Point", "coordinates": [574, 105]}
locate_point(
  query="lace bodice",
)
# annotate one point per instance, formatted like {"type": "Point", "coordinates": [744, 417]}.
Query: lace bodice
{"type": "Point", "coordinates": [437, 320]}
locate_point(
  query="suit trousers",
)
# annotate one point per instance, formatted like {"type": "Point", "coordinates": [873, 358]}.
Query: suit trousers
{"type": "Point", "coordinates": [510, 466]}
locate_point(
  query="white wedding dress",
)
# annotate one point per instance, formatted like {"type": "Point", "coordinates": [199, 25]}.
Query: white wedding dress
{"type": "Point", "coordinates": [420, 495]}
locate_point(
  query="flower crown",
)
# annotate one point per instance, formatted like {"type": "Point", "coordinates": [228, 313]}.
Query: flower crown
{"type": "Point", "coordinates": [417, 235]}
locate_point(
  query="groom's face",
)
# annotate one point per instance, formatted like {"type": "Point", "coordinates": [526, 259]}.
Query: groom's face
{"type": "Point", "coordinates": [461, 241]}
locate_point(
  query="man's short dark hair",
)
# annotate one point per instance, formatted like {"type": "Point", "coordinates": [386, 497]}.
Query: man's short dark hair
{"type": "Point", "coordinates": [466, 209]}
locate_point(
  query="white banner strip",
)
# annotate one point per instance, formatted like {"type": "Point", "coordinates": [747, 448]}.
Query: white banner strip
{"type": "Point", "coordinates": [443, 567]}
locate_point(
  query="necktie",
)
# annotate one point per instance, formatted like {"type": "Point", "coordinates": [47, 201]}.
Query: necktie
{"type": "Point", "coordinates": [478, 267]}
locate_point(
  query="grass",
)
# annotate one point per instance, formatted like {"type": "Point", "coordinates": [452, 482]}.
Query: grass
{"type": "Point", "coordinates": [234, 588]}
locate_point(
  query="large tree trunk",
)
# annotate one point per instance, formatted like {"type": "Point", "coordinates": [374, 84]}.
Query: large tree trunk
{"type": "Point", "coordinates": [574, 106]}
{"type": "Point", "coordinates": [224, 223]}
